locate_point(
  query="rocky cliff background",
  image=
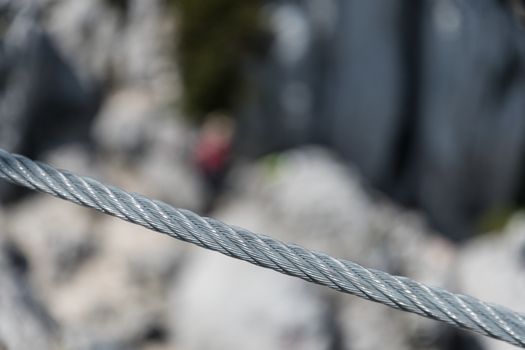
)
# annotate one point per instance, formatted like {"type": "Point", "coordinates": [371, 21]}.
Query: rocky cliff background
{"type": "Point", "coordinates": [391, 134]}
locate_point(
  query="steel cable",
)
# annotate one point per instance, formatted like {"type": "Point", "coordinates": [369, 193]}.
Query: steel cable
{"type": "Point", "coordinates": [398, 292]}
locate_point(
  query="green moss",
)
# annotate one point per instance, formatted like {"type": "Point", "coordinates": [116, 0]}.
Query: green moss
{"type": "Point", "coordinates": [214, 39]}
{"type": "Point", "coordinates": [495, 220]}
{"type": "Point", "coordinates": [272, 164]}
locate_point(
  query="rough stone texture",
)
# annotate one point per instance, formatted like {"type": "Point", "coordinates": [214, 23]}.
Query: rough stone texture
{"type": "Point", "coordinates": [310, 198]}
{"type": "Point", "coordinates": [492, 268]}
{"type": "Point", "coordinates": [50, 113]}
{"type": "Point", "coordinates": [76, 158]}
{"type": "Point", "coordinates": [324, 205]}
{"type": "Point", "coordinates": [469, 143]}
{"type": "Point", "coordinates": [101, 279]}
{"type": "Point", "coordinates": [24, 321]}
{"type": "Point", "coordinates": [151, 147]}
{"type": "Point", "coordinates": [120, 295]}
{"type": "Point", "coordinates": [364, 89]}
{"type": "Point", "coordinates": [61, 57]}
{"type": "Point", "coordinates": [333, 207]}
{"type": "Point", "coordinates": [129, 46]}
{"type": "Point", "coordinates": [43, 103]}
{"type": "Point", "coordinates": [220, 303]}
{"type": "Point", "coordinates": [56, 236]}
{"type": "Point", "coordinates": [425, 98]}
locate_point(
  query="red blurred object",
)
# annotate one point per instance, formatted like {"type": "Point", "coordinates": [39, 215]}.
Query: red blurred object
{"type": "Point", "coordinates": [212, 155]}
{"type": "Point", "coordinates": [212, 152]}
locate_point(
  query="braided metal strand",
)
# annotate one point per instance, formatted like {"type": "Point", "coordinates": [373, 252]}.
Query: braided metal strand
{"type": "Point", "coordinates": [343, 275]}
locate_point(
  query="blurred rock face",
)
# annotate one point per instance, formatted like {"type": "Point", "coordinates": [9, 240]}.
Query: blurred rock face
{"type": "Point", "coordinates": [224, 304]}
{"type": "Point", "coordinates": [425, 98]}
{"type": "Point", "coordinates": [58, 59]}
{"type": "Point", "coordinates": [43, 101]}
{"type": "Point", "coordinates": [74, 279]}
{"type": "Point", "coordinates": [491, 262]}
{"type": "Point", "coordinates": [24, 321]}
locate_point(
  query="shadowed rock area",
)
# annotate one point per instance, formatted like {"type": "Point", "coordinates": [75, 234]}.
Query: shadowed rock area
{"type": "Point", "coordinates": [426, 98]}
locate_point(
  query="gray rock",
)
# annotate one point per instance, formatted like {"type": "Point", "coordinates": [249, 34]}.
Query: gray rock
{"type": "Point", "coordinates": [308, 197]}
{"type": "Point", "coordinates": [24, 321]}
{"type": "Point", "coordinates": [121, 126]}
{"type": "Point", "coordinates": [128, 46]}
{"type": "Point", "coordinates": [473, 102]}
{"type": "Point", "coordinates": [150, 148]}
{"type": "Point", "coordinates": [315, 200]}
{"type": "Point", "coordinates": [119, 294]}
{"type": "Point", "coordinates": [424, 98]}
{"type": "Point", "coordinates": [310, 191]}
{"type": "Point", "coordinates": [491, 269]}
{"type": "Point", "coordinates": [56, 236]}
{"type": "Point", "coordinates": [50, 113]}
{"type": "Point", "coordinates": [85, 32]}
{"type": "Point", "coordinates": [76, 158]}
{"type": "Point", "coordinates": [103, 280]}
{"type": "Point", "coordinates": [363, 91]}
{"type": "Point", "coordinates": [221, 303]}
{"type": "Point", "coordinates": [35, 114]}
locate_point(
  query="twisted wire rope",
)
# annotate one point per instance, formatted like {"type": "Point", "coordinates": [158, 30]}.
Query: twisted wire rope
{"type": "Point", "coordinates": [346, 276]}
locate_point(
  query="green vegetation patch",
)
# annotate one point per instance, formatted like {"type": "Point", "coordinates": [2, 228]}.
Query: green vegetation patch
{"type": "Point", "coordinates": [214, 39]}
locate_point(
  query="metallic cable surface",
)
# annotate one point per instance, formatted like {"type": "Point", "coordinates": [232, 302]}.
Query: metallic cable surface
{"type": "Point", "coordinates": [398, 292]}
